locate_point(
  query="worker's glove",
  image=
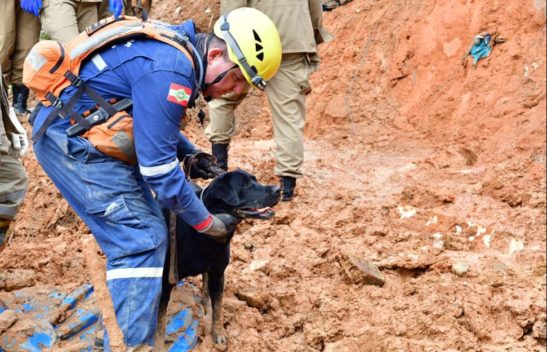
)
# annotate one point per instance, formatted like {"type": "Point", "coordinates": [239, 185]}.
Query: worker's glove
{"type": "Point", "coordinates": [19, 139]}
{"type": "Point", "coordinates": [115, 7]}
{"type": "Point", "coordinates": [32, 6]}
{"type": "Point", "coordinates": [220, 226]}
{"type": "Point", "coordinates": [202, 165]}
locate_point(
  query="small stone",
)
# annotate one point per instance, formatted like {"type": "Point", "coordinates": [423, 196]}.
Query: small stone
{"type": "Point", "coordinates": [540, 270]}
{"type": "Point", "coordinates": [254, 299]}
{"type": "Point", "coordinates": [261, 265]}
{"type": "Point", "coordinates": [16, 279]}
{"type": "Point", "coordinates": [7, 319]}
{"type": "Point", "coordinates": [361, 271]}
{"type": "Point", "coordinates": [460, 269]}
{"type": "Point", "coordinates": [378, 231]}
{"type": "Point", "coordinates": [539, 330]}
{"type": "Point", "coordinates": [282, 220]}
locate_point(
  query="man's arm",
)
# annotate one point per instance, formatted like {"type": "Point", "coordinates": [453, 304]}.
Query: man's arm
{"type": "Point", "coordinates": [156, 119]}
{"type": "Point", "coordinates": [185, 147]}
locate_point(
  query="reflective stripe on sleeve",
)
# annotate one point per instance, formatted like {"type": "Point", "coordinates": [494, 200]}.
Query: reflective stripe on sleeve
{"type": "Point", "coordinates": [158, 170]}
{"type": "Point", "coordinates": [132, 273]}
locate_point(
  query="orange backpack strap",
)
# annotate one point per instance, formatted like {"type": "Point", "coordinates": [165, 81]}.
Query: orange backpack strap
{"type": "Point", "coordinates": [48, 61]}
{"type": "Point", "coordinates": [49, 81]}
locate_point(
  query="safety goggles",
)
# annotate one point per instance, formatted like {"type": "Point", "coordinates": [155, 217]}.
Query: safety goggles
{"type": "Point", "coordinates": [256, 79]}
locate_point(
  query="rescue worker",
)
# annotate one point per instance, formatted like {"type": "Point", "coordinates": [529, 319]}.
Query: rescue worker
{"type": "Point", "coordinates": [64, 19]}
{"type": "Point", "coordinates": [13, 179]}
{"type": "Point", "coordinates": [19, 31]}
{"type": "Point", "coordinates": [114, 198]}
{"type": "Point", "coordinates": [300, 27]}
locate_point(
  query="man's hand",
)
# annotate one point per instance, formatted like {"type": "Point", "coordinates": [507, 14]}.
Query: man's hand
{"type": "Point", "coordinates": [220, 226]}
{"type": "Point", "coordinates": [32, 6]}
{"type": "Point", "coordinates": [115, 7]}
{"type": "Point", "coordinates": [202, 165]}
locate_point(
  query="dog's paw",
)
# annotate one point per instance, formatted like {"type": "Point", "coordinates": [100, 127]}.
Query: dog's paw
{"type": "Point", "coordinates": [220, 338]}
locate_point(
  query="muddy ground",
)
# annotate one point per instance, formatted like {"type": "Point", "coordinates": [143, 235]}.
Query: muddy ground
{"type": "Point", "coordinates": [429, 169]}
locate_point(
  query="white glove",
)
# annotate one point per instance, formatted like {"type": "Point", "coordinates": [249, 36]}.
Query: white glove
{"type": "Point", "coordinates": [19, 140]}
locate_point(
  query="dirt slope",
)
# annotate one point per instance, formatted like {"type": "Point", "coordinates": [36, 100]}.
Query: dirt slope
{"type": "Point", "coordinates": [433, 171]}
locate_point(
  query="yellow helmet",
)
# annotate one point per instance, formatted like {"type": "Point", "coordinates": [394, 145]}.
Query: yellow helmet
{"type": "Point", "coordinates": [253, 43]}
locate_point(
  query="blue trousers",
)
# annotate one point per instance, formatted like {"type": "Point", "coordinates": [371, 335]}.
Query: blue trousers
{"type": "Point", "coordinates": [126, 221]}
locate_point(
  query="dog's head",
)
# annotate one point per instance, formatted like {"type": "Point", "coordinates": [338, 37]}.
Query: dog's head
{"type": "Point", "coordinates": [239, 193]}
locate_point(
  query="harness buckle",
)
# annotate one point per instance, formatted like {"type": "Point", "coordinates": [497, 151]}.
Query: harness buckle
{"type": "Point", "coordinates": [55, 102]}
{"type": "Point", "coordinates": [75, 80]}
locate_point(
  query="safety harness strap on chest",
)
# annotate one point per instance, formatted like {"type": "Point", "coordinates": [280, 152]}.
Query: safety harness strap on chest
{"type": "Point", "coordinates": [49, 74]}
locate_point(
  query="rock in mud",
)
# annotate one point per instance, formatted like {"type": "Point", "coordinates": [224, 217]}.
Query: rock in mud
{"type": "Point", "coordinates": [539, 330]}
{"type": "Point", "coordinates": [460, 268]}
{"type": "Point", "coordinates": [360, 271]}
{"type": "Point", "coordinates": [7, 319]}
{"type": "Point", "coordinates": [254, 299]}
{"type": "Point", "coordinates": [16, 279]}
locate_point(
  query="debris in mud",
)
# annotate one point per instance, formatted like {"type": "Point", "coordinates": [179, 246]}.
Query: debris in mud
{"type": "Point", "coordinates": [482, 46]}
{"type": "Point", "coordinates": [16, 279]}
{"type": "Point", "coordinates": [360, 271]}
{"type": "Point", "coordinates": [7, 319]}
{"type": "Point", "coordinates": [539, 330]}
{"type": "Point", "coordinates": [460, 268]}
{"type": "Point", "coordinates": [254, 299]}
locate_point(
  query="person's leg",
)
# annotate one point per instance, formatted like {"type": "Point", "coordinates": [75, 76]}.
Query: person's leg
{"type": "Point", "coordinates": [13, 186]}
{"type": "Point", "coordinates": [28, 34]}
{"type": "Point", "coordinates": [128, 6]}
{"type": "Point", "coordinates": [103, 10]}
{"type": "Point", "coordinates": [7, 35]}
{"type": "Point", "coordinates": [125, 220]}
{"type": "Point", "coordinates": [222, 126]}
{"type": "Point", "coordinates": [287, 96]}
{"type": "Point", "coordinates": [87, 13]}
{"type": "Point", "coordinates": [59, 19]}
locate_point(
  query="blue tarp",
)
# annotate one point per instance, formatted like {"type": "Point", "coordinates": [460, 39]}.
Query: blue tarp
{"type": "Point", "coordinates": [49, 318]}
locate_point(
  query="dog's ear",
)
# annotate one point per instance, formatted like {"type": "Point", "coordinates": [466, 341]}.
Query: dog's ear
{"type": "Point", "coordinates": [223, 189]}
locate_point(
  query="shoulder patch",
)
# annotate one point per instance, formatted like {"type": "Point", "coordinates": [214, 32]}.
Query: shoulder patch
{"type": "Point", "coordinates": [179, 94]}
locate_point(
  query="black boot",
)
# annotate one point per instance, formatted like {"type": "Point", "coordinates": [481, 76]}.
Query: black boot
{"type": "Point", "coordinates": [220, 151]}
{"type": "Point", "coordinates": [20, 97]}
{"type": "Point", "coordinates": [4, 226]}
{"type": "Point", "coordinates": [287, 186]}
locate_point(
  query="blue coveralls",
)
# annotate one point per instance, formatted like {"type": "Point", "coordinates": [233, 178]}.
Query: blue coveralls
{"type": "Point", "coordinates": [113, 198]}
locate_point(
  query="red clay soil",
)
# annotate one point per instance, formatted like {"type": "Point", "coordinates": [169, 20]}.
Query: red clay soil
{"type": "Point", "coordinates": [431, 170]}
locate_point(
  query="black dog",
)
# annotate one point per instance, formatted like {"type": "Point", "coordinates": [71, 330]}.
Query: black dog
{"type": "Point", "coordinates": [236, 193]}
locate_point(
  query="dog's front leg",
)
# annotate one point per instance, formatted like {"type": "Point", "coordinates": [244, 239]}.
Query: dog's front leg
{"type": "Point", "coordinates": [205, 298]}
{"type": "Point", "coordinates": [215, 284]}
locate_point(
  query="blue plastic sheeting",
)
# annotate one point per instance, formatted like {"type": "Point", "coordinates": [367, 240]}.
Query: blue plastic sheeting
{"type": "Point", "coordinates": [481, 47]}
{"type": "Point", "coordinates": [52, 319]}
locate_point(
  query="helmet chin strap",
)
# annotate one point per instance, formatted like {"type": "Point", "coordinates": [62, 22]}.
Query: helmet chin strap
{"type": "Point", "coordinates": [218, 78]}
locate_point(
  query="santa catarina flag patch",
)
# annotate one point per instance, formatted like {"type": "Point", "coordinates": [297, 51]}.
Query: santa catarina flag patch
{"type": "Point", "coordinates": [179, 94]}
